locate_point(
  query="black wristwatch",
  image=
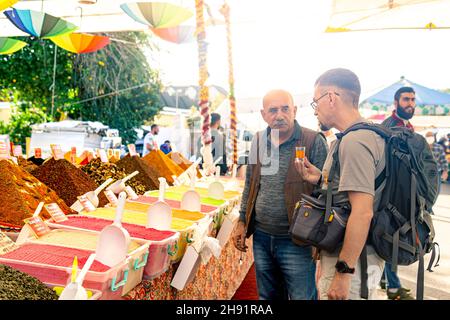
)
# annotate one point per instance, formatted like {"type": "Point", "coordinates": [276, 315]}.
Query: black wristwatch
{"type": "Point", "coordinates": [342, 267]}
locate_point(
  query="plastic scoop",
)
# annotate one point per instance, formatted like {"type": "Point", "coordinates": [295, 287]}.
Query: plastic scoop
{"type": "Point", "coordinates": [74, 290]}
{"type": "Point", "coordinates": [92, 196]}
{"type": "Point", "coordinates": [186, 173]}
{"type": "Point", "coordinates": [26, 230]}
{"type": "Point", "coordinates": [159, 215]}
{"type": "Point", "coordinates": [113, 242]}
{"type": "Point", "coordinates": [216, 189]}
{"type": "Point", "coordinates": [191, 198]}
{"type": "Point", "coordinates": [118, 186]}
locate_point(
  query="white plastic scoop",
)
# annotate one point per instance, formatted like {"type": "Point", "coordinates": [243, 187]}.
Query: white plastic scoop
{"type": "Point", "coordinates": [118, 186]}
{"type": "Point", "coordinates": [75, 290]}
{"type": "Point", "coordinates": [185, 175]}
{"type": "Point", "coordinates": [191, 198]}
{"type": "Point", "coordinates": [26, 230]}
{"type": "Point", "coordinates": [113, 241]}
{"type": "Point", "coordinates": [92, 196]}
{"type": "Point", "coordinates": [216, 189]}
{"type": "Point", "coordinates": [159, 215]}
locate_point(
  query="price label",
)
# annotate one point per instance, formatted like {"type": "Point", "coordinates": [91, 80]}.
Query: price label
{"type": "Point", "coordinates": [117, 154]}
{"type": "Point", "coordinates": [6, 244]}
{"type": "Point", "coordinates": [110, 153]}
{"type": "Point", "coordinates": [111, 198]}
{"type": "Point", "coordinates": [130, 192]}
{"type": "Point", "coordinates": [87, 205]}
{"type": "Point", "coordinates": [132, 149]}
{"type": "Point", "coordinates": [55, 212]}
{"type": "Point", "coordinates": [102, 155]}
{"type": "Point", "coordinates": [38, 226]}
{"type": "Point", "coordinates": [4, 151]}
{"type": "Point", "coordinates": [73, 155]}
{"type": "Point", "coordinates": [17, 151]}
{"type": "Point", "coordinates": [57, 151]}
{"type": "Point", "coordinates": [38, 153]}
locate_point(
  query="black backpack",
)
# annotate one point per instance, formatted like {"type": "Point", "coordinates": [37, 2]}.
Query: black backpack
{"type": "Point", "coordinates": [401, 230]}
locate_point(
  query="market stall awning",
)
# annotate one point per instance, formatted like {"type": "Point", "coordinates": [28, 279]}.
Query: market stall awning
{"type": "Point", "coordinates": [429, 101]}
{"type": "Point", "coordinates": [363, 15]}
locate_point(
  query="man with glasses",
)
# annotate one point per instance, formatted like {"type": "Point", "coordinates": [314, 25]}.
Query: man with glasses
{"type": "Point", "coordinates": [272, 188]}
{"type": "Point", "coordinates": [361, 160]}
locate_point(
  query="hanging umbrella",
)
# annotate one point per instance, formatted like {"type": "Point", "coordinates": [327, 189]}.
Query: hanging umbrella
{"type": "Point", "coordinates": [157, 14]}
{"type": "Point", "coordinates": [8, 45]}
{"type": "Point", "coordinates": [39, 24]}
{"type": "Point", "coordinates": [178, 34]}
{"type": "Point", "coordinates": [7, 3]}
{"type": "Point", "coordinates": [363, 15]}
{"type": "Point", "coordinates": [428, 101]}
{"type": "Point", "coordinates": [80, 42]}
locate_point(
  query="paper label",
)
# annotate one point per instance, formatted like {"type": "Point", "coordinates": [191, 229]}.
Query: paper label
{"type": "Point", "coordinates": [117, 154]}
{"type": "Point", "coordinates": [38, 226]}
{"type": "Point", "coordinates": [102, 155]}
{"type": "Point", "coordinates": [132, 149]}
{"type": "Point", "coordinates": [110, 153]}
{"type": "Point", "coordinates": [37, 152]}
{"type": "Point", "coordinates": [17, 151]}
{"type": "Point", "coordinates": [55, 212]}
{"type": "Point", "coordinates": [6, 244]}
{"type": "Point", "coordinates": [57, 151]}
{"type": "Point", "coordinates": [111, 198]}
{"type": "Point", "coordinates": [87, 205]}
{"type": "Point", "coordinates": [73, 155]}
{"type": "Point", "coordinates": [14, 159]}
{"type": "Point", "coordinates": [4, 151]}
{"type": "Point", "coordinates": [130, 192]}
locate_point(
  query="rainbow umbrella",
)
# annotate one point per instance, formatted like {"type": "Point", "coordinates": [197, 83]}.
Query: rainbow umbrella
{"type": "Point", "coordinates": [80, 42]}
{"type": "Point", "coordinates": [157, 14]}
{"type": "Point", "coordinates": [7, 3]}
{"type": "Point", "coordinates": [178, 34]}
{"type": "Point", "coordinates": [39, 24]}
{"type": "Point", "coordinates": [8, 45]}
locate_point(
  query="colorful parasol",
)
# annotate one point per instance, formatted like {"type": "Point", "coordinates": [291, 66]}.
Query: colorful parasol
{"type": "Point", "coordinates": [81, 42]}
{"type": "Point", "coordinates": [8, 45]}
{"type": "Point", "coordinates": [157, 14]}
{"type": "Point", "coordinates": [39, 24]}
{"type": "Point", "coordinates": [178, 34]}
{"type": "Point", "coordinates": [225, 10]}
{"type": "Point", "coordinates": [7, 3]}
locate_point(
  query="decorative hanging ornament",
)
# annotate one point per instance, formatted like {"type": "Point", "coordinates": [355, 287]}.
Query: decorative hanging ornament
{"type": "Point", "coordinates": [81, 42]}
{"type": "Point", "coordinates": [157, 14]}
{"type": "Point", "coordinates": [8, 45]}
{"type": "Point", "coordinates": [39, 24]}
{"type": "Point", "coordinates": [7, 3]}
{"type": "Point", "coordinates": [178, 34]}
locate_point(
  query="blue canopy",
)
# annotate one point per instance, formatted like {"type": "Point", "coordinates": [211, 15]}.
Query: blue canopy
{"type": "Point", "coordinates": [424, 95]}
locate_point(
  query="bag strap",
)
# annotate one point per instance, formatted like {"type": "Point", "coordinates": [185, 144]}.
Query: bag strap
{"type": "Point", "coordinates": [364, 277]}
{"type": "Point", "coordinates": [329, 201]}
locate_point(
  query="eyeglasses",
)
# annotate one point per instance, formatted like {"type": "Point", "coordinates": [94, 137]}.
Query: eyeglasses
{"type": "Point", "coordinates": [315, 101]}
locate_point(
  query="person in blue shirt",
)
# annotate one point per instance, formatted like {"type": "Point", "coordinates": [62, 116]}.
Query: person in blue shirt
{"type": "Point", "coordinates": [166, 147]}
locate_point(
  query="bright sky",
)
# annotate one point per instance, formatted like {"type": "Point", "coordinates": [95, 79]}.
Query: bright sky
{"type": "Point", "coordinates": [281, 44]}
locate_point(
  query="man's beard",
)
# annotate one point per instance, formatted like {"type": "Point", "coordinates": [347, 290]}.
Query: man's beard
{"type": "Point", "coordinates": [403, 114]}
{"type": "Point", "coordinates": [323, 127]}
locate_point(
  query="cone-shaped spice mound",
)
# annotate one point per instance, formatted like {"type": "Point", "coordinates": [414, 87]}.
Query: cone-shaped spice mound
{"type": "Point", "coordinates": [147, 175]}
{"type": "Point", "coordinates": [163, 165]}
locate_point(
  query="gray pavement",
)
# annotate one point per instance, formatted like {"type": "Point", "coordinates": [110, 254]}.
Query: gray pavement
{"type": "Point", "coordinates": [437, 283]}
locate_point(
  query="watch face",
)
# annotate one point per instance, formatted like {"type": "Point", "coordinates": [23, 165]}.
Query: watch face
{"type": "Point", "coordinates": [340, 267]}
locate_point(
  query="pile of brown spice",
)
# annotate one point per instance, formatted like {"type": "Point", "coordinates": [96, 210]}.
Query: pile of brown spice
{"type": "Point", "coordinates": [26, 164]}
{"type": "Point", "coordinates": [100, 172]}
{"type": "Point", "coordinates": [147, 176]}
{"type": "Point", "coordinates": [20, 194]}
{"type": "Point", "coordinates": [68, 181]}
{"type": "Point", "coordinates": [163, 165]}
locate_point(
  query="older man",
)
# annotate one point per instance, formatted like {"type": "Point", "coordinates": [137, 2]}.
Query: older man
{"type": "Point", "coordinates": [272, 187]}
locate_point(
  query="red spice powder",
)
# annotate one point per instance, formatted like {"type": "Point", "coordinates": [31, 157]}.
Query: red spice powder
{"type": "Point", "coordinates": [135, 231]}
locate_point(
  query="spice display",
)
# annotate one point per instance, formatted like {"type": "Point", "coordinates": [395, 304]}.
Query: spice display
{"type": "Point", "coordinates": [21, 193]}
{"type": "Point", "coordinates": [182, 162]}
{"type": "Point", "coordinates": [100, 172]}
{"type": "Point", "coordinates": [68, 181]}
{"type": "Point", "coordinates": [163, 165]}
{"type": "Point", "coordinates": [36, 161]}
{"type": "Point", "coordinates": [76, 239]}
{"type": "Point", "coordinates": [175, 204]}
{"type": "Point", "coordinates": [26, 164]}
{"type": "Point", "coordinates": [173, 195]}
{"type": "Point", "coordinates": [135, 231]}
{"type": "Point", "coordinates": [16, 285]}
{"type": "Point", "coordinates": [176, 213]}
{"type": "Point", "coordinates": [52, 255]}
{"type": "Point", "coordinates": [147, 175]}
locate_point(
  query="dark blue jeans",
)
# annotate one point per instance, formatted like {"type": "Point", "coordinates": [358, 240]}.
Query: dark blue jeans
{"type": "Point", "coordinates": [283, 269]}
{"type": "Point", "coordinates": [393, 282]}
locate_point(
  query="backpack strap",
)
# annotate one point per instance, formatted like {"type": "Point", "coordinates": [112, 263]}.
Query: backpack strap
{"type": "Point", "coordinates": [364, 277]}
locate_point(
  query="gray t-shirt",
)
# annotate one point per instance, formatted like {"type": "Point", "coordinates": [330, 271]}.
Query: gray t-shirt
{"type": "Point", "coordinates": [361, 160]}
